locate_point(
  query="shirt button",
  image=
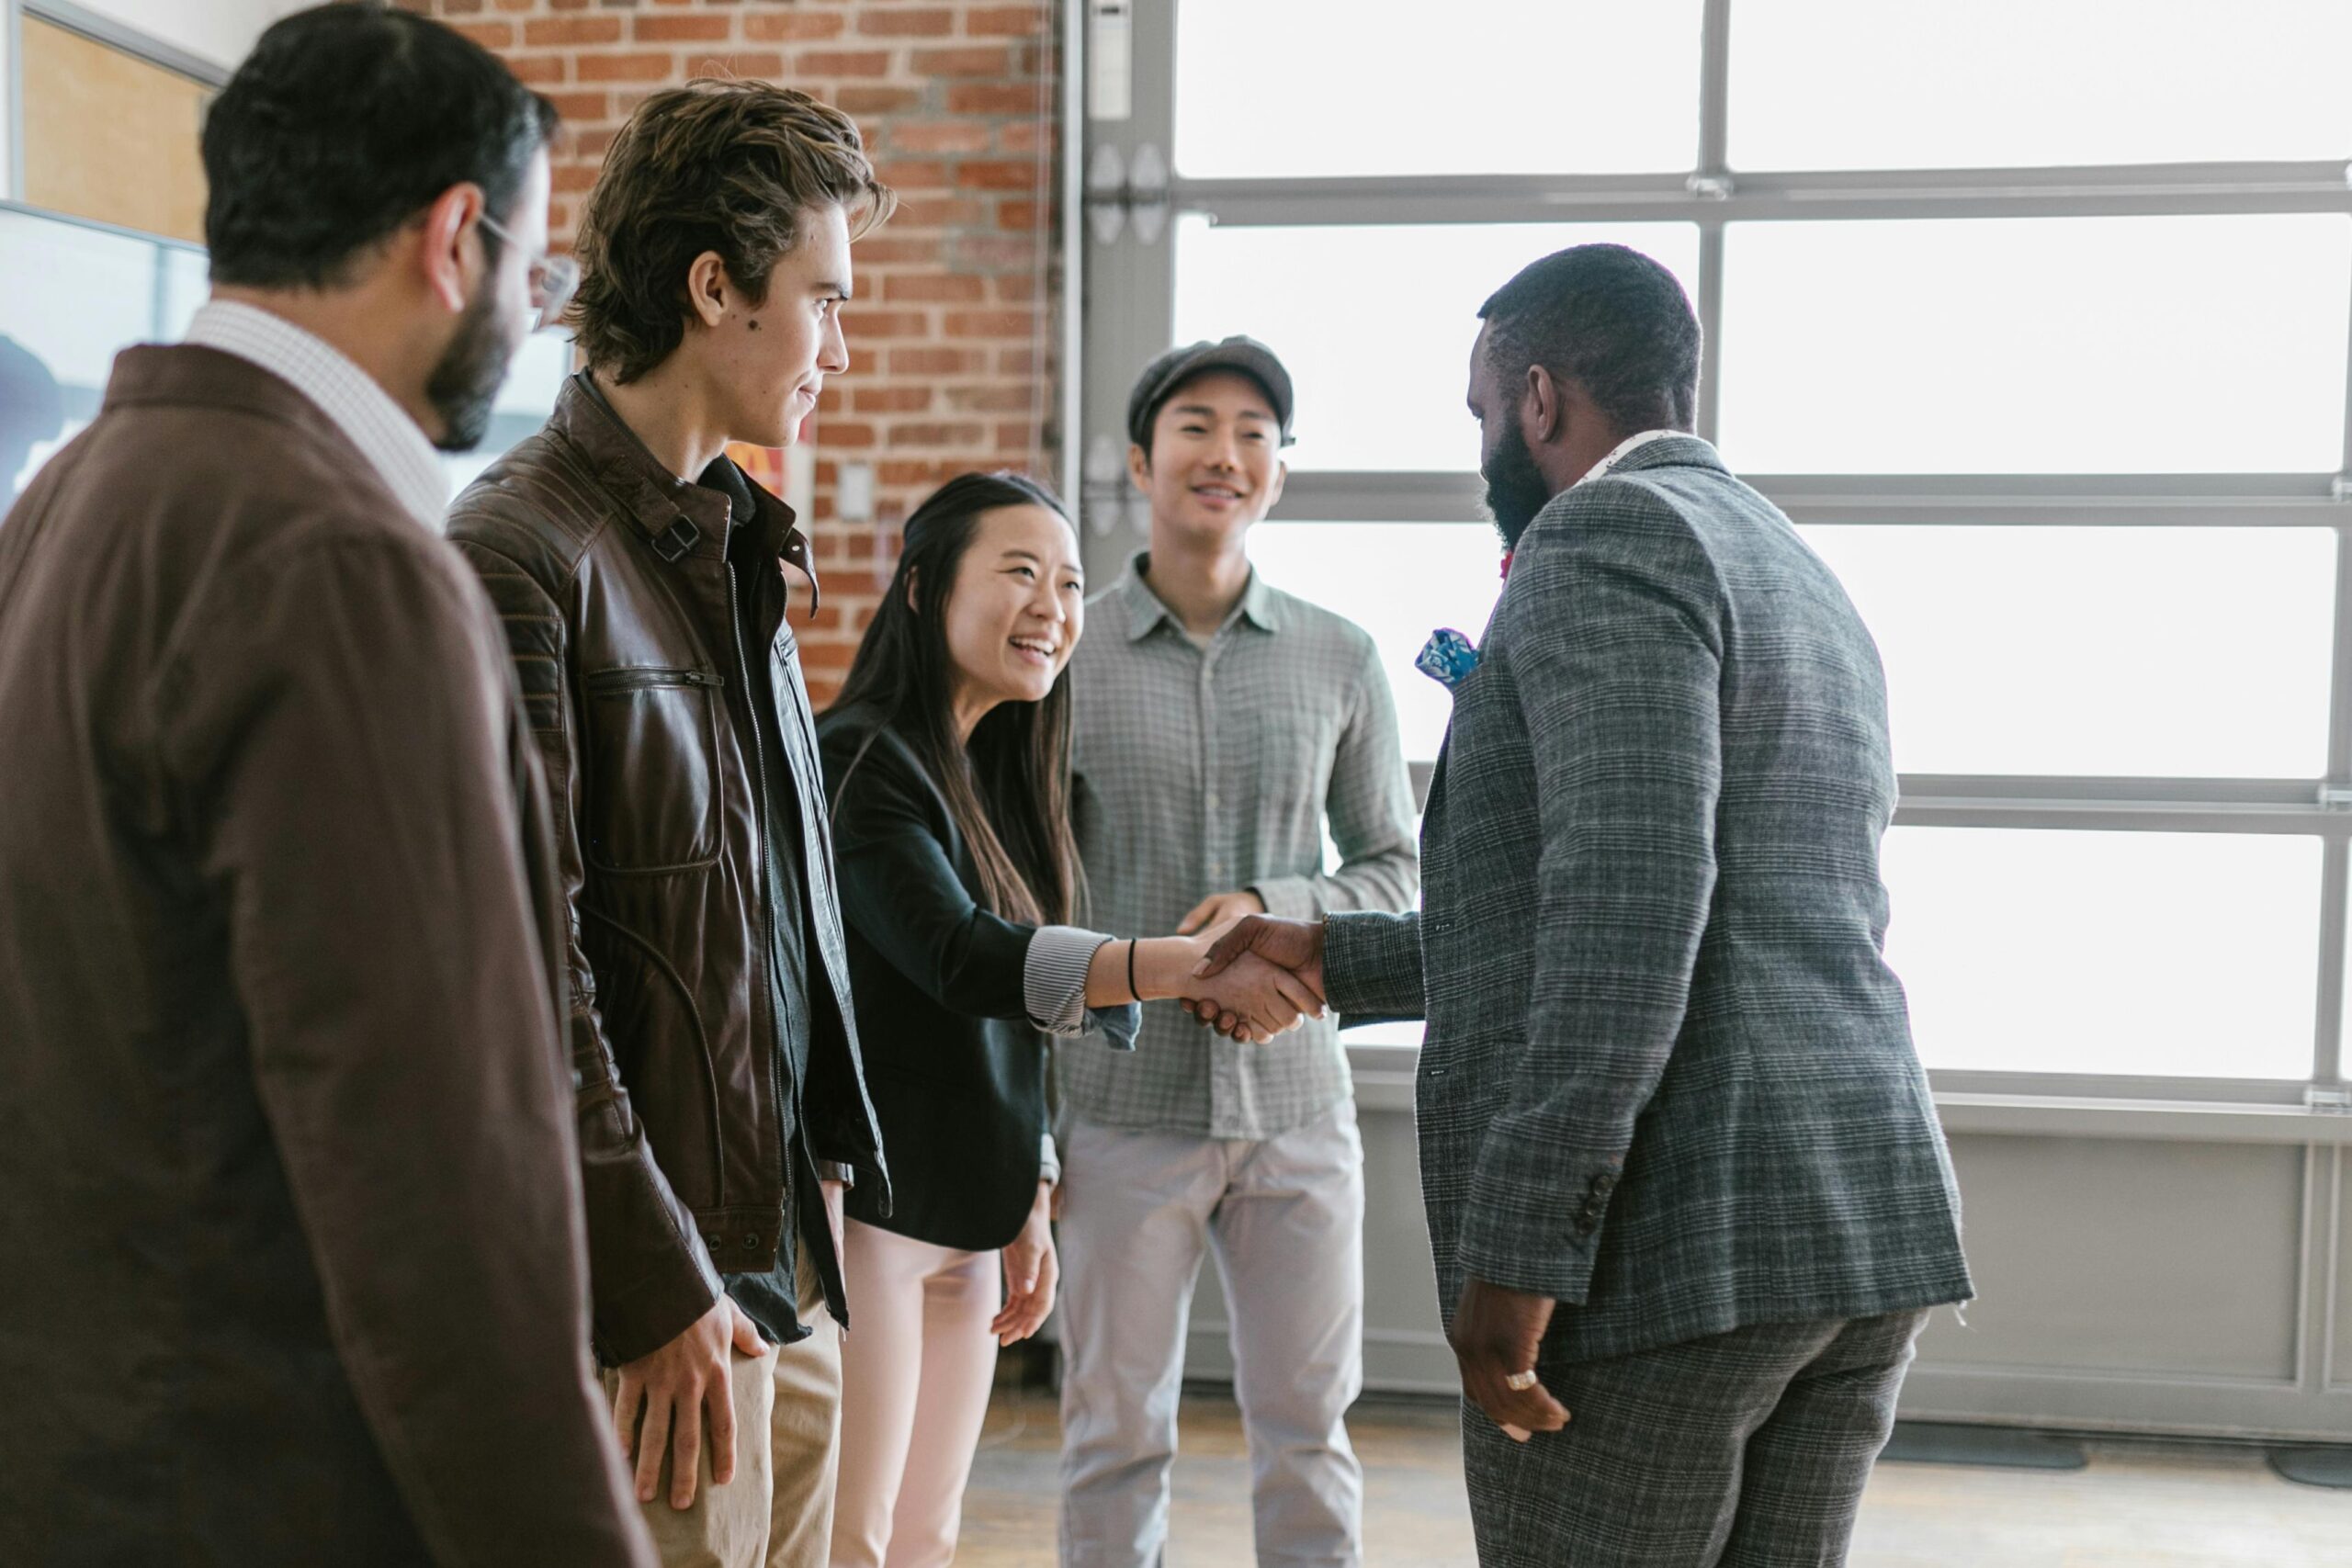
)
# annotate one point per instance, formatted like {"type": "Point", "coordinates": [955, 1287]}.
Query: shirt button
{"type": "Point", "coordinates": [1213, 802]}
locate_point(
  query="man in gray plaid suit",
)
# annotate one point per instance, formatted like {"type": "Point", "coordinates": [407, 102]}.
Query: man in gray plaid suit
{"type": "Point", "coordinates": [1683, 1178]}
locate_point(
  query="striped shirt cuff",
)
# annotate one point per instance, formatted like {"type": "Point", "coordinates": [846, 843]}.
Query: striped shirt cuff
{"type": "Point", "coordinates": [1053, 980]}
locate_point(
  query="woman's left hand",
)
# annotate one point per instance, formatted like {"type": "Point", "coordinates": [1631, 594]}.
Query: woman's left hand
{"type": "Point", "coordinates": [1031, 1272]}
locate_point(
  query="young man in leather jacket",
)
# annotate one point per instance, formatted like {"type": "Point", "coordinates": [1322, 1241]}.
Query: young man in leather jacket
{"type": "Point", "coordinates": [646, 585]}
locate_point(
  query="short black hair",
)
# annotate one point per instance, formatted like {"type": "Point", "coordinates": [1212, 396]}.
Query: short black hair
{"type": "Point", "coordinates": [345, 122]}
{"type": "Point", "coordinates": [1609, 318]}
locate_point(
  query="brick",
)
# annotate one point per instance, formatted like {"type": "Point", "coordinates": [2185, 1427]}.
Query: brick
{"type": "Point", "coordinates": [992, 97]}
{"type": "Point", "coordinates": [930, 22]}
{"type": "Point", "coordinates": [865, 97]}
{"type": "Point", "coordinates": [583, 108]}
{"type": "Point", "coordinates": [940, 136]}
{"type": "Point", "coordinates": [763, 65]}
{"type": "Point", "coordinates": [700, 28]}
{"type": "Point", "coordinates": [490, 35]}
{"type": "Point", "coordinates": [937, 361]}
{"type": "Point", "coordinates": [1022, 214]}
{"type": "Point", "coordinates": [909, 471]}
{"type": "Point", "coordinates": [627, 67]}
{"type": "Point", "coordinates": [536, 70]}
{"type": "Point", "coordinates": [887, 400]}
{"type": "Point", "coordinates": [574, 177]}
{"type": "Point", "coordinates": [780, 27]}
{"type": "Point", "coordinates": [1027, 136]}
{"type": "Point", "coordinates": [846, 436]}
{"type": "Point", "coordinates": [1005, 21]}
{"type": "Point", "coordinates": [913, 174]}
{"type": "Point", "coordinates": [992, 400]}
{"type": "Point", "coordinates": [840, 63]}
{"type": "Point", "coordinates": [935, 434]}
{"type": "Point", "coordinates": [866, 322]}
{"type": "Point", "coordinates": [563, 30]}
{"type": "Point", "coordinates": [945, 289]}
{"type": "Point", "coordinates": [891, 248]}
{"type": "Point", "coordinates": [1001, 174]}
{"type": "Point", "coordinates": [968, 61]}
{"type": "Point", "coordinates": [994, 252]}
{"type": "Point", "coordinates": [939, 212]}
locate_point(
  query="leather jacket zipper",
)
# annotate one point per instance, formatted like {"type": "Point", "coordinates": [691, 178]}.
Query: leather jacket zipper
{"type": "Point", "coordinates": [637, 679]}
{"type": "Point", "coordinates": [767, 882]}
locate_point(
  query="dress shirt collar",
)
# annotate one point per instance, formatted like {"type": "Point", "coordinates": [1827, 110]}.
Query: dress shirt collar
{"type": "Point", "coordinates": [348, 395]}
{"type": "Point", "coordinates": [1625, 450]}
{"type": "Point", "coordinates": [1144, 610]}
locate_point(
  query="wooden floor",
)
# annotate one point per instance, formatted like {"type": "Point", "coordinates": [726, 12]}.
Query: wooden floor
{"type": "Point", "coordinates": [2137, 1505]}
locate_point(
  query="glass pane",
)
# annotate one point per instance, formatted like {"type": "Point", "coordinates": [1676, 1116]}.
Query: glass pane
{"type": "Point", "coordinates": [1399, 581]}
{"type": "Point", "coordinates": [2049, 345]}
{"type": "Point", "coordinates": [1865, 85]}
{"type": "Point", "coordinates": [1305, 87]}
{"type": "Point", "coordinates": [71, 297]}
{"type": "Point", "coordinates": [109, 136]}
{"type": "Point", "coordinates": [2173, 652]}
{"type": "Point", "coordinates": [2171, 954]}
{"type": "Point", "coordinates": [1375, 324]}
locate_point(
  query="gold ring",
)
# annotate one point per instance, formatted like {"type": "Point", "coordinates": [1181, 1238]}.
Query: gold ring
{"type": "Point", "coordinates": [1520, 1382]}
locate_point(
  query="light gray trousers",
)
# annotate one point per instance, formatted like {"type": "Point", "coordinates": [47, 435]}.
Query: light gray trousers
{"type": "Point", "coordinates": [1284, 1219]}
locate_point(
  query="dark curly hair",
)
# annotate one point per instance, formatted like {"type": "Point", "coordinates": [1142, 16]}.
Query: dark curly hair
{"type": "Point", "coordinates": [345, 122]}
{"type": "Point", "coordinates": [727, 167]}
{"type": "Point", "coordinates": [1609, 318]}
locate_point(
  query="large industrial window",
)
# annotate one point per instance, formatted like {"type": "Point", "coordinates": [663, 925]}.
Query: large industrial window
{"type": "Point", "coordinates": [2032, 314]}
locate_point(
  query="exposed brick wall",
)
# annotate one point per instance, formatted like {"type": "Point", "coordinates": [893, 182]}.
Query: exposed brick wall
{"type": "Point", "coordinates": [952, 339]}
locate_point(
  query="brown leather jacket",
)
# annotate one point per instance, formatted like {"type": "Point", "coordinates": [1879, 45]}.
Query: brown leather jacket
{"type": "Point", "coordinates": [619, 604]}
{"type": "Point", "coordinates": [291, 1264]}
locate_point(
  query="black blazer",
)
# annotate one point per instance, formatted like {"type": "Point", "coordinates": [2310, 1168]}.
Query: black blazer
{"type": "Point", "coordinates": [955, 1067]}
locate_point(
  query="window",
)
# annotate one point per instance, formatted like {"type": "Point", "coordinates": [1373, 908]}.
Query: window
{"type": "Point", "coordinates": [108, 135]}
{"type": "Point", "coordinates": [2034, 322]}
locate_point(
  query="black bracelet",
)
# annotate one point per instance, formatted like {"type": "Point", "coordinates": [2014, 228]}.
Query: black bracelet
{"type": "Point", "coordinates": [1131, 989]}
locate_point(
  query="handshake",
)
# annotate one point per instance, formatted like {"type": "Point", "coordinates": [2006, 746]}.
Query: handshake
{"type": "Point", "coordinates": [1259, 976]}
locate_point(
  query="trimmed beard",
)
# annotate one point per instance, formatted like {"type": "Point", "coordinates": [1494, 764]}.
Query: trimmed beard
{"type": "Point", "coordinates": [463, 388]}
{"type": "Point", "coordinates": [1516, 488]}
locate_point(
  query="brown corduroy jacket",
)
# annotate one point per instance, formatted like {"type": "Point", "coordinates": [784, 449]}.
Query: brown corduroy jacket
{"type": "Point", "coordinates": [291, 1261]}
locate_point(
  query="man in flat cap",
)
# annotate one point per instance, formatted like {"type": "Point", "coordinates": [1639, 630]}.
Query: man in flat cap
{"type": "Point", "coordinates": [1221, 725]}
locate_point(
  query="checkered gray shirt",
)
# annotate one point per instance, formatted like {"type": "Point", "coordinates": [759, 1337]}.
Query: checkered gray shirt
{"type": "Point", "coordinates": [1201, 771]}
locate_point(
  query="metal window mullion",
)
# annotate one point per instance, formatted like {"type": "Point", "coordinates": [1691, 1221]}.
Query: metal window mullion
{"type": "Point", "coordinates": [2163, 500]}
{"type": "Point", "coordinates": [123, 39]}
{"type": "Point", "coordinates": [1669, 198]}
{"type": "Point", "coordinates": [2327, 1026]}
{"type": "Point", "coordinates": [1714, 87]}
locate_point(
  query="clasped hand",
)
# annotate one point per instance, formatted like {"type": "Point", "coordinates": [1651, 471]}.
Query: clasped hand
{"type": "Point", "coordinates": [1252, 957]}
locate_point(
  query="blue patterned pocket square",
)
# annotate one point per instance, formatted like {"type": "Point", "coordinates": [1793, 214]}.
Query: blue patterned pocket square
{"type": "Point", "coordinates": [1447, 657]}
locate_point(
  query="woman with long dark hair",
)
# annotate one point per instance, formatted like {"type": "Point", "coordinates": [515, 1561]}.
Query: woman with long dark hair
{"type": "Point", "coordinates": [947, 762]}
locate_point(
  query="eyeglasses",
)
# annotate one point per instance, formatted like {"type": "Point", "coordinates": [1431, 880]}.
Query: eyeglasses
{"type": "Point", "coordinates": [552, 278]}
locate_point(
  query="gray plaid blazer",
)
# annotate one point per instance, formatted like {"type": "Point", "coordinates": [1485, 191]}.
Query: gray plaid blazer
{"type": "Point", "coordinates": [1668, 1077]}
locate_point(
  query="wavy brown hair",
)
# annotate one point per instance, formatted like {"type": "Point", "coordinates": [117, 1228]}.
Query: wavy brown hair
{"type": "Point", "coordinates": [725, 166]}
{"type": "Point", "coordinates": [1008, 787]}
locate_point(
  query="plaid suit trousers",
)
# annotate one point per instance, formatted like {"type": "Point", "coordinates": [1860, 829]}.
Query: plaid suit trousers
{"type": "Point", "coordinates": [1743, 1449]}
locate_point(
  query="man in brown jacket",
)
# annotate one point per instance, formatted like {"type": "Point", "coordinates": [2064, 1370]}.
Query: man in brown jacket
{"type": "Point", "coordinates": [644, 583]}
{"type": "Point", "coordinates": [291, 1264]}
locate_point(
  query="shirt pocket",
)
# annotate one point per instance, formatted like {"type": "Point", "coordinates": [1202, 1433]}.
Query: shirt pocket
{"type": "Point", "coordinates": [650, 754]}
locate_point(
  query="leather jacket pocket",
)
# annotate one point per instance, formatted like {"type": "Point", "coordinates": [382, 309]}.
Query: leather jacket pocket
{"type": "Point", "coordinates": [651, 752]}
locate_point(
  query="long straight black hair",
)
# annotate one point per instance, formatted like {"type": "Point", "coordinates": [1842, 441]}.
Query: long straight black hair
{"type": "Point", "coordinates": [1008, 787]}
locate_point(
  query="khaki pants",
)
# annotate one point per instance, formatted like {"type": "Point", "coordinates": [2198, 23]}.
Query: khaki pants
{"type": "Point", "coordinates": [778, 1511]}
{"type": "Point", "coordinates": [1284, 1219]}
